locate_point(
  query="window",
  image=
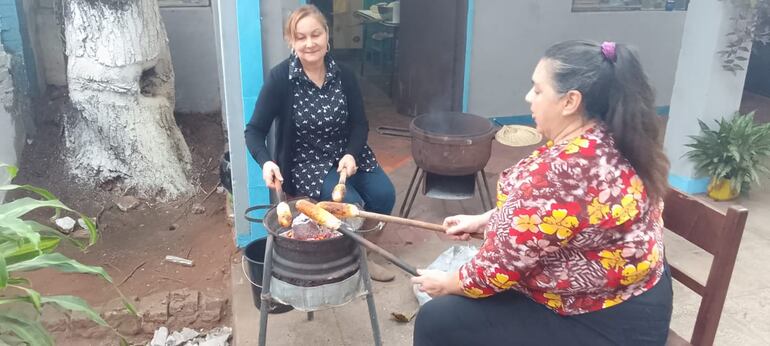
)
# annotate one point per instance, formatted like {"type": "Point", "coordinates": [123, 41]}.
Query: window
{"type": "Point", "coordinates": [628, 5]}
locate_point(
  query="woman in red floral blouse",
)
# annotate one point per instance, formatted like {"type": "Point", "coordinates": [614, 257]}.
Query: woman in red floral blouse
{"type": "Point", "coordinates": [573, 251]}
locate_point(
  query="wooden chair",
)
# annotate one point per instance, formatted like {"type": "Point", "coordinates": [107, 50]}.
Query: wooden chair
{"type": "Point", "coordinates": [720, 235]}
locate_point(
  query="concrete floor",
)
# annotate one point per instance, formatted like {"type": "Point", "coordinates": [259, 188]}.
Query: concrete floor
{"type": "Point", "coordinates": [745, 320]}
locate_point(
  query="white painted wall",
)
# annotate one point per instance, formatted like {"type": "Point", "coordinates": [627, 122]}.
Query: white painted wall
{"type": "Point", "coordinates": [274, 15]}
{"type": "Point", "coordinates": [509, 37]}
{"type": "Point", "coordinates": [193, 52]}
{"type": "Point", "coordinates": [49, 47]}
{"type": "Point", "coordinates": [10, 130]}
{"type": "Point", "coordinates": [30, 9]}
{"type": "Point", "coordinates": [703, 89]}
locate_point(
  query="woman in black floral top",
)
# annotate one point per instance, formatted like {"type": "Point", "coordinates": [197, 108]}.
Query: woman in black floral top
{"type": "Point", "coordinates": [321, 127]}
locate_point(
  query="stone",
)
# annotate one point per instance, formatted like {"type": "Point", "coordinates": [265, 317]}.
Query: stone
{"type": "Point", "coordinates": [66, 224]}
{"type": "Point", "coordinates": [124, 321]}
{"type": "Point", "coordinates": [179, 338]}
{"type": "Point", "coordinates": [53, 319]}
{"type": "Point", "coordinates": [82, 223]}
{"type": "Point", "coordinates": [127, 203]}
{"type": "Point", "coordinates": [183, 302]}
{"type": "Point", "coordinates": [173, 227]}
{"type": "Point", "coordinates": [217, 337]}
{"type": "Point", "coordinates": [211, 309]}
{"type": "Point", "coordinates": [81, 234]}
{"type": "Point", "coordinates": [159, 338]}
{"type": "Point", "coordinates": [197, 208]}
{"type": "Point", "coordinates": [83, 326]}
{"type": "Point", "coordinates": [154, 308]}
{"type": "Point", "coordinates": [220, 189]}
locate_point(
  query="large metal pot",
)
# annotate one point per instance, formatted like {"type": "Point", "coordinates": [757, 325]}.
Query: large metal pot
{"type": "Point", "coordinates": [308, 263]}
{"type": "Point", "coordinates": [449, 143]}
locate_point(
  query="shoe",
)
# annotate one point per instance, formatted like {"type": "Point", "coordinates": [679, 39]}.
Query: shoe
{"type": "Point", "coordinates": [379, 273]}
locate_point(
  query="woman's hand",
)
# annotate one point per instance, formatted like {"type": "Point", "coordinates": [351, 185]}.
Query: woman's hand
{"type": "Point", "coordinates": [438, 283]}
{"type": "Point", "coordinates": [460, 227]}
{"type": "Point", "coordinates": [271, 174]}
{"type": "Point", "coordinates": [348, 165]}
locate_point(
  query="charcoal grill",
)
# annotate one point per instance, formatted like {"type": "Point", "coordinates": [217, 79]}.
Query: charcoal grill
{"type": "Point", "coordinates": [311, 275]}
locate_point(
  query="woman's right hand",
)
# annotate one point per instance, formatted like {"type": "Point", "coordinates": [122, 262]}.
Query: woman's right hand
{"type": "Point", "coordinates": [460, 227]}
{"type": "Point", "coordinates": [271, 174]}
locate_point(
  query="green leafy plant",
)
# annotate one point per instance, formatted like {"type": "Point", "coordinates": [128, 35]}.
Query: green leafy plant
{"type": "Point", "coordinates": [750, 24]}
{"type": "Point", "coordinates": [736, 150]}
{"type": "Point", "coordinates": [27, 245]}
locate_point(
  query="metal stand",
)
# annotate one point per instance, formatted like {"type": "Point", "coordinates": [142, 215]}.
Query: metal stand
{"type": "Point", "coordinates": [364, 268]}
{"type": "Point", "coordinates": [267, 274]}
{"type": "Point", "coordinates": [411, 192]}
{"type": "Point", "coordinates": [264, 308]}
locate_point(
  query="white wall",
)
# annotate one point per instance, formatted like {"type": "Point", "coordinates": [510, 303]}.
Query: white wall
{"type": "Point", "coordinates": [10, 130]}
{"type": "Point", "coordinates": [193, 52]}
{"type": "Point", "coordinates": [49, 48]}
{"type": "Point", "coordinates": [703, 89]}
{"type": "Point", "coordinates": [191, 41]}
{"type": "Point", "coordinates": [274, 15]}
{"type": "Point", "coordinates": [30, 9]}
{"type": "Point", "coordinates": [509, 37]}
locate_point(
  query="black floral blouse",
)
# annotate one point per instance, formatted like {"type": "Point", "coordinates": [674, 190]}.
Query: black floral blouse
{"type": "Point", "coordinates": [322, 129]}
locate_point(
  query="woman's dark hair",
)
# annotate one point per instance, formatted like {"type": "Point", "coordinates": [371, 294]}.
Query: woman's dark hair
{"type": "Point", "coordinates": [616, 91]}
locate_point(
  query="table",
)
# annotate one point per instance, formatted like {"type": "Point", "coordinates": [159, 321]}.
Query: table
{"type": "Point", "coordinates": [369, 17]}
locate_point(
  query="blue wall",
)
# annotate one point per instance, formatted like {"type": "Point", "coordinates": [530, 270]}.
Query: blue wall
{"type": "Point", "coordinates": [250, 46]}
{"type": "Point", "coordinates": [13, 35]}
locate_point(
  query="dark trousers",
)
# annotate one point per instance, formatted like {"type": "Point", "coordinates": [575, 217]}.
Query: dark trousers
{"type": "Point", "coordinates": [372, 190]}
{"type": "Point", "coordinates": [511, 318]}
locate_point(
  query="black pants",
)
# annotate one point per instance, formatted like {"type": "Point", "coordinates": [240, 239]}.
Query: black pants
{"type": "Point", "coordinates": [511, 318]}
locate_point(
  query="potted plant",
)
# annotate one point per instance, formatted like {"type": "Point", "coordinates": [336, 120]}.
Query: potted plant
{"type": "Point", "coordinates": [733, 154]}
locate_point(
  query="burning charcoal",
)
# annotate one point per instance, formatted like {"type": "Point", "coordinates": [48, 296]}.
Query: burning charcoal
{"type": "Point", "coordinates": [303, 228]}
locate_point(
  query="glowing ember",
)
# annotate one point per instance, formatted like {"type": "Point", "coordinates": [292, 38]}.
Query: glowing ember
{"type": "Point", "coordinates": [303, 228]}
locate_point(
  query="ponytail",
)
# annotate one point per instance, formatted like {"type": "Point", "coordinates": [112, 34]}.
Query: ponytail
{"type": "Point", "coordinates": [616, 91]}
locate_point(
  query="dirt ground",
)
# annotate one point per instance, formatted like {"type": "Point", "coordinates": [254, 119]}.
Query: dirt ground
{"type": "Point", "coordinates": [133, 244]}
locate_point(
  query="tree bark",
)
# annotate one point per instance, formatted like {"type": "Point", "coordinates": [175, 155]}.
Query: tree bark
{"type": "Point", "coordinates": [121, 83]}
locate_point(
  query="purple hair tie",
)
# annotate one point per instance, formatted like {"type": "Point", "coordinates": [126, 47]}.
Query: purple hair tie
{"type": "Point", "coordinates": [608, 51]}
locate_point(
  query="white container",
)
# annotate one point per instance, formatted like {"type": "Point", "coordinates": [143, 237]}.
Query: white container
{"type": "Point", "coordinates": [396, 11]}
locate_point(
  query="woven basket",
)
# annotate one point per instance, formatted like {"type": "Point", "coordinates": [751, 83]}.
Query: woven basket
{"type": "Point", "coordinates": [518, 136]}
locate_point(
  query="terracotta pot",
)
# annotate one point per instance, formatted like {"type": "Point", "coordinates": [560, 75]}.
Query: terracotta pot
{"type": "Point", "coordinates": [722, 189]}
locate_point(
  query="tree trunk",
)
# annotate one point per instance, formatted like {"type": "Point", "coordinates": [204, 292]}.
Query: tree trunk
{"type": "Point", "coordinates": [121, 83]}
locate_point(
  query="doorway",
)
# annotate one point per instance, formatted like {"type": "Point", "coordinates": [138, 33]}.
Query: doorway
{"type": "Point", "coordinates": [409, 57]}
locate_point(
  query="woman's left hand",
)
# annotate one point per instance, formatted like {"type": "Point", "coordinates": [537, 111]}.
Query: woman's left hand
{"type": "Point", "coordinates": [437, 283]}
{"type": "Point", "coordinates": [347, 164]}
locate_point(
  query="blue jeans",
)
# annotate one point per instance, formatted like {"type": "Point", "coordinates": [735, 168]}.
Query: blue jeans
{"type": "Point", "coordinates": [372, 190]}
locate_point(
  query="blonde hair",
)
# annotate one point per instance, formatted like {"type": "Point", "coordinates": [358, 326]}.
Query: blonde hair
{"type": "Point", "coordinates": [303, 11]}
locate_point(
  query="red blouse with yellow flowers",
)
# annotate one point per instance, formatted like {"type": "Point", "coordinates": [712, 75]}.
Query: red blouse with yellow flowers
{"type": "Point", "coordinates": [573, 229]}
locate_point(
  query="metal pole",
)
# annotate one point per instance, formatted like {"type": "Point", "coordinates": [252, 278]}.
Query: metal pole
{"type": "Point", "coordinates": [414, 194]}
{"type": "Point", "coordinates": [267, 274]}
{"type": "Point", "coordinates": [408, 192]}
{"type": "Point", "coordinates": [349, 232]}
{"type": "Point", "coordinates": [370, 298]}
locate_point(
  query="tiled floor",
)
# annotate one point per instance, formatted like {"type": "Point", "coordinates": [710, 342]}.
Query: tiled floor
{"type": "Point", "coordinates": [745, 320]}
